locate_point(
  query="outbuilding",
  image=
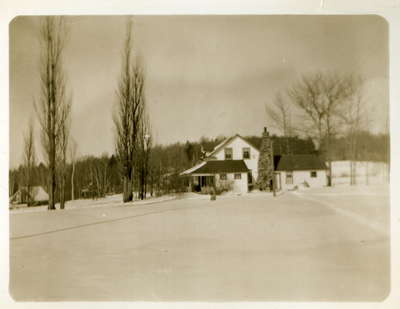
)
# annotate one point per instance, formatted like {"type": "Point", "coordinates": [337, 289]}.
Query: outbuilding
{"type": "Point", "coordinates": [296, 170]}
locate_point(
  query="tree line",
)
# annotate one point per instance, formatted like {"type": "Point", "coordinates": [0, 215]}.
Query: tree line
{"type": "Point", "coordinates": [98, 176]}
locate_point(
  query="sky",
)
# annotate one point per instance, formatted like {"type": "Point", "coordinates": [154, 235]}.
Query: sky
{"type": "Point", "coordinates": [204, 75]}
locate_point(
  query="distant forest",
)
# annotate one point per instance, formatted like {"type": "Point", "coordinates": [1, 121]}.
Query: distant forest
{"type": "Point", "coordinates": [99, 176]}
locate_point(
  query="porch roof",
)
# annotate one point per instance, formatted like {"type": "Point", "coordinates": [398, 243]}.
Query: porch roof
{"type": "Point", "coordinates": [190, 170]}
{"type": "Point", "coordinates": [221, 166]}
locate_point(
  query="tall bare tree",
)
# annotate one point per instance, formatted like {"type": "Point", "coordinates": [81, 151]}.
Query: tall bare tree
{"type": "Point", "coordinates": [29, 161]}
{"type": "Point", "coordinates": [129, 112]}
{"type": "Point", "coordinates": [279, 113]}
{"type": "Point", "coordinates": [53, 95]}
{"type": "Point", "coordinates": [143, 155]}
{"type": "Point", "coordinates": [73, 148]}
{"type": "Point", "coordinates": [63, 129]}
{"type": "Point", "coordinates": [354, 120]}
{"type": "Point", "coordinates": [321, 97]}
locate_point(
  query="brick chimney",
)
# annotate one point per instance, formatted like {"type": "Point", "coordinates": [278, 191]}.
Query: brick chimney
{"type": "Point", "coordinates": [265, 163]}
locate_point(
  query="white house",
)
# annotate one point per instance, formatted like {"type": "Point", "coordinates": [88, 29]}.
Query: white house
{"type": "Point", "coordinates": [223, 174]}
{"type": "Point", "coordinates": [295, 170]}
{"type": "Point", "coordinates": [237, 148]}
{"type": "Point", "coordinates": [234, 162]}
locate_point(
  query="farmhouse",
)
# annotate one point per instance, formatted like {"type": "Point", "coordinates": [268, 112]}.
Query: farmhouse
{"type": "Point", "coordinates": [234, 165]}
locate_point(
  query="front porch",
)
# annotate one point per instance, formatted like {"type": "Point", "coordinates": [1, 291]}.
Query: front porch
{"type": "Point", "coordinates": [198, 183]}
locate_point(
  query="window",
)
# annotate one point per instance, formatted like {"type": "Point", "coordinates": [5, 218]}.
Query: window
{"type": "Point", "coordinates": [228, 153]}
{"type": "Point", "coordinates": [313, 174]}
{"type": "Point", "coordinates": [246, 153]}
{"type": "Point", "coordinates": [289, 178]}
{"type": "Point", "coordinates": [238, 176]}
{"type": "Point", "coordinates": [222, 176]}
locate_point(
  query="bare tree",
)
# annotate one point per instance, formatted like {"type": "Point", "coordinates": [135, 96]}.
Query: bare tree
{"type": "Point", "coordinates": [53, 93]}
{"type": "Point", "coordinates": [29, 162]}
{"type": "Point", "coordinates": [143, 155]}
{"type": "Point", "coordinates": [73, 148]}
{"type": "Point", "coordinates": [63, 129]}
{"type": "Point", "coordinates": [279, 113]}
{"type": "Point", "coordinates": [129, 112]}
{"type": "Point", "coordinates": [354, 120]}
{"type": "Point", "coordinates": [321, 97]}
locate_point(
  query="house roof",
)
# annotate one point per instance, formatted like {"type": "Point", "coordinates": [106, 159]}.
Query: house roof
{"type": "Point", "coordinates": [190, 170]}
{"type": "Point", "coordinates": [299, 163]}
{"type": "Point", "coordinates": [221, 166]}
{"type": "Point", "coordinates": [227, 141]}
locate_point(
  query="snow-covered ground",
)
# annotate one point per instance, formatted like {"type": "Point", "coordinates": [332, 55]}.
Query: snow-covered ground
{"type": "Point", "coordinates": [116, 200]}
{"type": "Point", "coordinates": [108, 201]}
{"type": "Point", "coordinates": [366, 172]}
{"type": "Point", "coordinates": [319, 244]}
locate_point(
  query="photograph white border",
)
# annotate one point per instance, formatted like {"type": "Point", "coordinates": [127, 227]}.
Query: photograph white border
{"type": "Point", "coordinates": [388, 9]}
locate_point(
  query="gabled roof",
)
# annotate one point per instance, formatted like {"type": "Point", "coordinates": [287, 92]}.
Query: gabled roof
{"type": "Point", "coordinates": [190, 170]}
{"type": "Point", "coordinates": [227, 141]}
{"type": "Point", "coordinates": [299, 163]}
{"type": "Point", "coordinates": [221, 166]}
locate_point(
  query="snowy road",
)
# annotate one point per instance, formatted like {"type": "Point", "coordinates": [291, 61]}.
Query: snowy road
{"type": "Point", "coordinates": [252, 247]}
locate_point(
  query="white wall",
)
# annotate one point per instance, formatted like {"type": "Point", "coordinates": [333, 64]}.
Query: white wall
{"type": "Point", "coordinates": [239, 185]}
{"type": "Point", "coordinates": [237, 145]}
{"type": "Point", "coordinates": [299, 177]}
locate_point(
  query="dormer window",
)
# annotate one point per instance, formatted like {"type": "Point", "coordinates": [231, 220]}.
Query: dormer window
{"type": "Point", "coordinates": [246, 153]}
{"type": "Point", "coordinates": [228, 153]}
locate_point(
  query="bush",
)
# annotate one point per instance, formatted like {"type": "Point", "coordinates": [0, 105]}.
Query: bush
{"type": "Point", "coordinates": [224, 186]}
{"type": "Point", "coordinates": [206, 190]}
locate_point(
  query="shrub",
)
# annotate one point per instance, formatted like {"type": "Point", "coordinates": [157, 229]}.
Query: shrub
{"type": "Point", "coordinates": [224, 186]}
{"type": "Point", "coordinates": [206, 190]}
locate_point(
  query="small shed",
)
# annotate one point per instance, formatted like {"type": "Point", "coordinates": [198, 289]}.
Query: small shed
{"type": "Point", "coordinates": [294, 170]}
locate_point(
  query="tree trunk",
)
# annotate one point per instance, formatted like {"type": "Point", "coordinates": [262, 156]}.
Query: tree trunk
{"type": "Point", "coordinates": [62, 191]}
{"type": "Point", "coordinates": [52, 187]}
{"type": "Point", "coordinates": [127, 195]}
{"type": "Point", "coordinates": [72, 181]}
{"type": "Point", "coordinates": [145, 185]}
{"type": "Point", "coordinates": [330, 173]}
{"type": "Point", "coordinates": [142, 196]}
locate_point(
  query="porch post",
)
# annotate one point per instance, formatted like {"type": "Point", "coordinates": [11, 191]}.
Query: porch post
{"type": "Point", "coordinates": [190, 183]}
